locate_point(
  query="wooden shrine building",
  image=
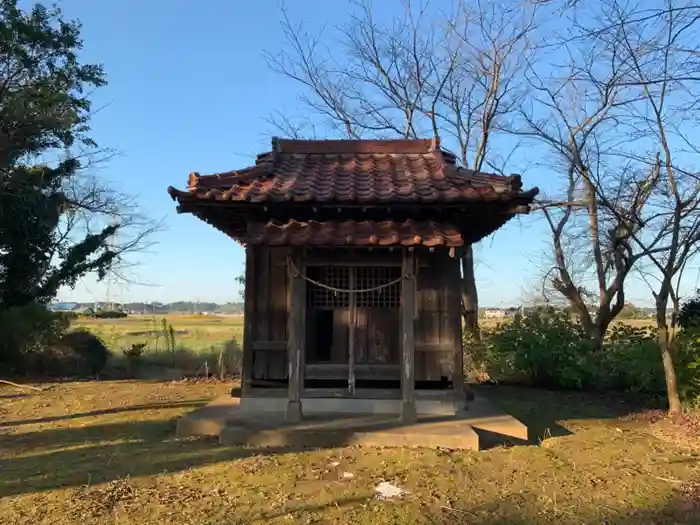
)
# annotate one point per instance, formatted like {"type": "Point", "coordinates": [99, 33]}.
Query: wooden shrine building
{"type": "Point", "coordinates": [352, 283]}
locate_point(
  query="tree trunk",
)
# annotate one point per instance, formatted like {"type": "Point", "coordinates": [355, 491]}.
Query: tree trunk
{"type": "Point", "coordinates": [674, 400]}
{"type": "Point", "coordinates": [598, 337]}
{"type": "Point", "coordinates": [470, 300]}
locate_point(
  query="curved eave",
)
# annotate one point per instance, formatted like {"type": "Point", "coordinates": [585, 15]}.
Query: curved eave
{"type": "Point", "coordinates": [194, 196]}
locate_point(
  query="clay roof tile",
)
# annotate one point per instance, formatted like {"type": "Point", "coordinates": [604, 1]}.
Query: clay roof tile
{"type": "Point", "coordinates": [363, 171]}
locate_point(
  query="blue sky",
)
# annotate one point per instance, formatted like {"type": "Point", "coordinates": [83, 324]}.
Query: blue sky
{"type": "Point", "coordinates": [189, 90]}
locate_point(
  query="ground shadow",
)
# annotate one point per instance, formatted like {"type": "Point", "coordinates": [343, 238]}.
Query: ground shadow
{"type": "Point", "coordinates": [131, 408]}
{"type": "Point", "coordinates": [12, 396]}
{"type": "Point", "coordinates": [542, 410]}
{"type": "Point", "coordinates": [72, 457]}
{"type": "Point", "coordinates": [489, 439]}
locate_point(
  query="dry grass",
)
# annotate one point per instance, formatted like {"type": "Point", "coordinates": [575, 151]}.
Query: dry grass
{"type": "Point", "coordinates": [639, 323]}
{"type": "Point", "coordinates": [104, 452]}
{"type": "Point", "coordinates": [194, 332]}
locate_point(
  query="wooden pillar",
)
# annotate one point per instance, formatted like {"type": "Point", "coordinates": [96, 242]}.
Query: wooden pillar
{"type": "Point", "coordinates": [296, 335]}
{"type": "Point", "coordinates": [352, 331]}
{"type": "Point", "coordinates": [248, 319]}
{"type": "Point", "coordinates": [408, 373]}
{"type": "Point", "coordinates": [455, 316]}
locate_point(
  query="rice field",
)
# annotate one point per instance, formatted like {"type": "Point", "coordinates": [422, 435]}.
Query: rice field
{"type": "Point", "coordinates": [197, 333]}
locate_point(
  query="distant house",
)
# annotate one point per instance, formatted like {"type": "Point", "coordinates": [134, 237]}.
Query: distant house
{"type": "Point", "coordinates": [494, 313]}
{"type": "Point", "coordinates": [63, 307]}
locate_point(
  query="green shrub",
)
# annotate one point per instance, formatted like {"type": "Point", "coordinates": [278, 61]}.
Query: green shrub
{"type": "Point", "coordinates": [547, 349]}
{"type": "Point", "coordinates": [109, 314]}
{"type": "Point", "coordinates": [686, 348]}
{"type": "Point", "coordinates": [689, 315]}
{"type": "Point", "coordinates": [35, 340]}
{"type": "Point", "coordinates": [26, 334]}
{"type": "Point", "coordinates": [79, 353]}
{"type": "Point", "coordinates": [632, 361]}
{"type": "Point", "coordinates": [133, 358]}
{"type": "Point", "coordinates": [483, 362]}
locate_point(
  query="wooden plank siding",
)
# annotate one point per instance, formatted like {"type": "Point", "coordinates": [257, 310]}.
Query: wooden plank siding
{"type": "Point", "coordinates": [378, 331]}
{"type": "Point", "coordinates": [248, 320]}
{"type": "Point", "coordinates": [436, 328]}
{"type": "Point", "coordinates": [270, 311]}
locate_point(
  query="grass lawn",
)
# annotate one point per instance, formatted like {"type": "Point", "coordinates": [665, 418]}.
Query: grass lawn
{"type": "Point", "coordinates": [104, 452]}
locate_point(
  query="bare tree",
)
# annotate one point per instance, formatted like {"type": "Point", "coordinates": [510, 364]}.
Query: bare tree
{"type": "Point", "coordinates": [616, 114]}
{"type": "Point", "coordinates": [91, 205]}
{"type": "Point", "coordinates": [573, 110]}
{"type": "Point", "coordinates": [667, 80]}
{"type": "Point", "coordinates": [452, 74]}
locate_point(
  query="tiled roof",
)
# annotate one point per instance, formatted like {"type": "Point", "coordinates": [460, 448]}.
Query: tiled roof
{"type": "Point", "coordinates": [346, 171]}
{"type": "Point", "coordinates": [351, 233]}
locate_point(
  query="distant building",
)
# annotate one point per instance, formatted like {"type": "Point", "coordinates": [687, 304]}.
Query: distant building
{"type": "Point", "coordinates": [494, 313]}
{"type": "Point", "coordinates": [63, 307]}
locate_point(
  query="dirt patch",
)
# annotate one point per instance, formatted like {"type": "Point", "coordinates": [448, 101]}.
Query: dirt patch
{"type": "Point", "coordinates": [688, 500]}
{"type": "Point", "coordinates": [122, 496]}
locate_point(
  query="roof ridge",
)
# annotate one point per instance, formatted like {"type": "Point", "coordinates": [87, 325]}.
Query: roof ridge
{"type": "Point", "coordinates": [285, 222]}
{"type": "Point", "coordinates": [348, 146]}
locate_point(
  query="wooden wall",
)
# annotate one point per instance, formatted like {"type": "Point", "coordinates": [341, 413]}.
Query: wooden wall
{"type": "Point", "coordinates": [437, 324]}
{"type": "Point", "coordinates": [268, 292]}
{"type": "Point", "coordinates": [437, 327]}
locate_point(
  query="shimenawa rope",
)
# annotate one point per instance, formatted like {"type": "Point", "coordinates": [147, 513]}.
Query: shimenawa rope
{"type": "Point", "coordinates": [295, 272]}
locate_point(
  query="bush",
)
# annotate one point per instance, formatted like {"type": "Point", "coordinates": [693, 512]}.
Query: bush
{"type": "Point", "coordinates": [33, 340]}
{"type": "Point", "coordinates": [632, 361]}
{"type": "Point", "coordinates": [26, 332]}
{"type": "Point", "coordinates": [133, 358]}
{"type": "Point", "coordinates": [689, 315]}
{"type": "Point", "coordinates": [232, 358]}
{"type": "Point", "coordinates": [549, 349]}
{"type": "Point", "coordinates": [109, 314]}
{"type": "Point", "coordinates": [221, 361]}
{"type": "Point", "coordinates": [687, 363]}
{"type": "Point", "coordinates": [546, 349]}
{"type": "Point", "coordinates": [77, 354]}
{"type": "Point", "coordinates": [90, 350]}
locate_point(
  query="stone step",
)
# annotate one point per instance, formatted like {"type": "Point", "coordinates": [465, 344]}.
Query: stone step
{"type": "Point", "coordinates": [373, 431]}
{"type": "Point", "coordinates": [482, 414]}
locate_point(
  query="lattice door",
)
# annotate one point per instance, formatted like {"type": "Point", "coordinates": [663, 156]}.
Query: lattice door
{"type": "Point", "coordinates": [365, 323]}
{"type": "Point", "coordinates": [368, 277]}
{"type": "Point", "coordinates": [338, 279]}
{"type": "Point", "coordinates": [335, 277]}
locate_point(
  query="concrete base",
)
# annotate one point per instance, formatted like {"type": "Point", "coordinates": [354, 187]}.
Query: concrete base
{"type": "Point", "coordinates": [430, 404]}
{"type": "Point", "coordinates": [226, 418]}
{"type": "Point", "coordinates": [379, 430]}
{"type": "Point", "coordinates": [483, 415]}
{"type": "Point", "coordinates": [294, 413]}
{"type": "Point", "coordinates": [409, 414]}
